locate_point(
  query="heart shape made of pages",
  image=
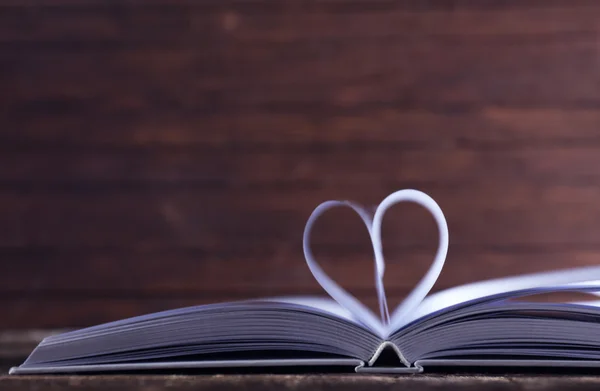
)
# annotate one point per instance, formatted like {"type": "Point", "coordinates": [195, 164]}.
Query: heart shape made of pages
{"type": "Point", "coordinates": [373, 224]}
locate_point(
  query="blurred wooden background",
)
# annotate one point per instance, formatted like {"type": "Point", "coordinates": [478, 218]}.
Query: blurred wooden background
{"type": "Point", "coordinates": [156, 154]}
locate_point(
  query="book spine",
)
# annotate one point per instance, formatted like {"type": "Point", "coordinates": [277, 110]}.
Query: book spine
{"type": "Point", "coordinates": [370, 366]}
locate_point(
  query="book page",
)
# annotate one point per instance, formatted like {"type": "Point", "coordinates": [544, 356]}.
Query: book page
{"type": "Point", "coordinates": [349, 302]}
{"type": "Point", "coordinates": [339, 294]}
{"type": "Point", "coordinates": [322, 303]}
{"type": "Point", "coordinates": [416, 296]}
{"type": "Point", "coordinates": [465, 293]}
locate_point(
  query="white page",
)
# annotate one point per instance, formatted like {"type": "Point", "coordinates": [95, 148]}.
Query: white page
{"type": "Point", "coordinates": [349, 302]}
{"type": "Point", "coordinates": [412, 301]}
{"type": "Point", "coordinates": [473, 291]}
{"type": "Point", "coordinates": [321, 303]}
{"type": "Point", "coordinates": [339, 294]}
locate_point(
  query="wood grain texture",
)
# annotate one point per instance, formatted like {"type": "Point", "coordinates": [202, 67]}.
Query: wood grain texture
{"type": "Point", "coordinates": [306, 128]}
{"type": "Point", "coordinates": [156, 154]}
{"type": "Point", "coordinates": [478, 215]}
{"type": "Point", "coordinates": [508, 382]}
{"type": "Point", "coordinates": [215, 168]}
{"type": "Point", "coordinates": [202, 273]}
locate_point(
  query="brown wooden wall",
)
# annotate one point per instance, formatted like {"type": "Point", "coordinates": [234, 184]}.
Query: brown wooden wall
{"type": "Point", "coordinates": [165, 153]}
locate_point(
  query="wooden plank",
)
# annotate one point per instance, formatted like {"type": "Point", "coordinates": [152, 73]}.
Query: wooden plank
{"type": "Point", "coordinates": [225, 168]}
{"type": "Point", "coordinates": [104, 22]}
{"type": "Point", "coordinates": [328, 4]}
{"type": "Point", "coordinates": [183, 272]}
{"type": "Point", "coordinates": [167, 94]}
{"type": "Point", "coordinates": [559, 379]}
{"type": "Point", "coordinates": [226, 77]}
{"type": "Point", "coordinates": [491, 127]}
{"type": "Point", "coordinates": [324, 5]}
{"type": "Point", "coordinates": [490, 213]}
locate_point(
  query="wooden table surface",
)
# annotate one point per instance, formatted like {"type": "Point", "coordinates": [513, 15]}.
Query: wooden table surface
{"type": "Point", "coordinates": [438, 381]}
{"type": "Point", "coordinates": [473, 381]}
{"type": "Point", "coordinates": [302, 382]}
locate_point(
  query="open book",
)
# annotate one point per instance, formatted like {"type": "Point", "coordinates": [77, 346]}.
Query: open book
{"type": "Point", "coordinates": [480, 324]}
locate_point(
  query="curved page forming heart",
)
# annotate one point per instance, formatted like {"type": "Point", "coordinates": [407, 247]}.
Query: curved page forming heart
{"type": "Point", "coordinates": [339, 294]}
{"type": "Point", "coordinates": [349, 302]}
{"type": "Point", "coordinates": [424, 286]}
